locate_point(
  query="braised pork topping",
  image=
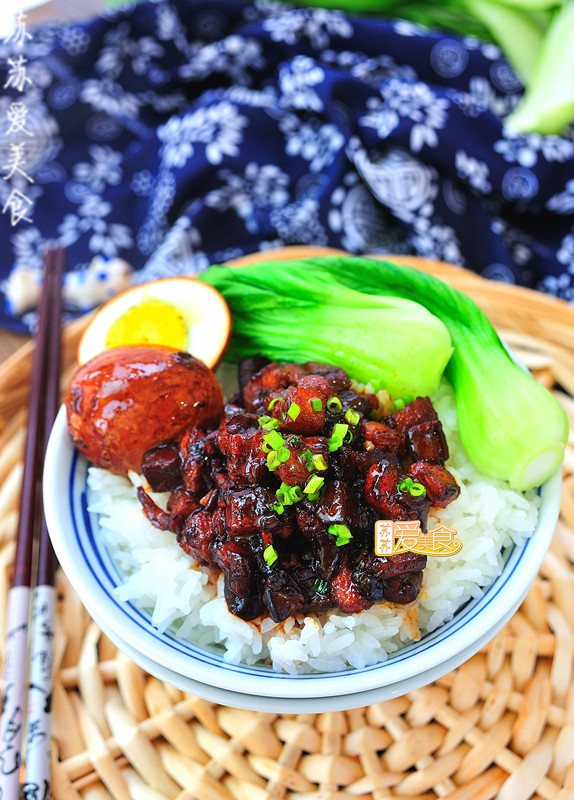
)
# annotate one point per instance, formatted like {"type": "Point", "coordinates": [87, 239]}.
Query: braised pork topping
{"type": "Point", "coordinates": [282, 497]}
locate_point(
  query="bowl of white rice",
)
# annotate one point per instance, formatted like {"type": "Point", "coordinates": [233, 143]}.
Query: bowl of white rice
{"type": "Point", "coordinates": [159, 604]}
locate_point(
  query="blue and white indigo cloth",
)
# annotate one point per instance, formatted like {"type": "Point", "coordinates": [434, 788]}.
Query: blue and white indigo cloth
{"type": "Point", "coordinates": [177, 134]}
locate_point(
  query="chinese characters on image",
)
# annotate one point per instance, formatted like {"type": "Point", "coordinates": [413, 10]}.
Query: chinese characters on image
{"type": "Point", "coordinates": [18, 204]}
{"type": "Point", "coordinates": [399, 536]}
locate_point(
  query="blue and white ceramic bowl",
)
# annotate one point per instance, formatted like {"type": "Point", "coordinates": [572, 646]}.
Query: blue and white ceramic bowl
{"type": "Point", "coordinates": [88, 565]}
{"type": "Point", "coordinates": [297, 705]}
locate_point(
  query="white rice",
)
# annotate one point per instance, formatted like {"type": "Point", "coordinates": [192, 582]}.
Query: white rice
{"type": "Point", "coordinates": [159, 577]}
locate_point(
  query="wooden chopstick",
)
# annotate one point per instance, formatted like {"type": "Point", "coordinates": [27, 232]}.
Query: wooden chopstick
{"type": "Point", "coordinates": [44, 387]}
{"type": "Point", "coordinates": [37, 758]}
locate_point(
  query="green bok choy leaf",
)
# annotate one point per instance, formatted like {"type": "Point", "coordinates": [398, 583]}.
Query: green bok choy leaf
{"type": "Point", "coordinates": [327, 309]}
{"type": "Point", "coordinates": [548, 104]}
{"type": "Point", "coordinates": [293, 315]}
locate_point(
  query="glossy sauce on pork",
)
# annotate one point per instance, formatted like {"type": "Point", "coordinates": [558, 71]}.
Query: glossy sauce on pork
{"type": "Point", "coordinates": [282, 497]}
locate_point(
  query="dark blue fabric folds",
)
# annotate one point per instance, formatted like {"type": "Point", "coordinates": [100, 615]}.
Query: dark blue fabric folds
{"type": "Point", "coordinates": [176, 134]}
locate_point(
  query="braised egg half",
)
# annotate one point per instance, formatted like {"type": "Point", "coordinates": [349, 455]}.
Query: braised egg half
{"type": "Point", "coordinates": [183, 313]}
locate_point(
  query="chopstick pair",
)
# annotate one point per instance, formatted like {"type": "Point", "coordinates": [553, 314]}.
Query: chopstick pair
{"type": "Point", "coordinates": [28, 653]}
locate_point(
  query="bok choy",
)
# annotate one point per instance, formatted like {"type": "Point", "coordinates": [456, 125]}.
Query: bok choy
{"type": "Point", "coordinates": [340, 309]}
{"type": "Point", "coordinates": [301, 314]}
{"type": "Point", "coordinates": [536, 36]}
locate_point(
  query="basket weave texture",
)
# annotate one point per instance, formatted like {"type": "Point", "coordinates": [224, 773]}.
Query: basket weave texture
{"type": "Point", "coordinates": [501, 725]}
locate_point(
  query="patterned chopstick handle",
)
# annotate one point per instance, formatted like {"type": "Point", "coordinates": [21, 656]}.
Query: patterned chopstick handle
{"type": "Point", "coordinates": [37, 782]}
{"type": "Point", "coordinates": [14, 697]}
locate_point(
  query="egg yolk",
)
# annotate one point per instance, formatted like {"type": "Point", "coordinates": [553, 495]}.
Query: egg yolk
{"type": "Point", "coordinates": [152, 322]}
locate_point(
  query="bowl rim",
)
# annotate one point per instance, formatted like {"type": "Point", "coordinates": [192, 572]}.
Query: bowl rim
{"type": "Point", "coordinates": [303, 705]}
{"type": "Point", "coordinates": [64, 517]}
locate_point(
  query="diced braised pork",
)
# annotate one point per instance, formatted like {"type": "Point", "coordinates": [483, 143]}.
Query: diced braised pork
{"type": "Point", "coordinates": [200, 532]}
{"type": "Point", "coordinates": [346, 592]}
{"type": "Point", "coordinates": [180, 505]}
{"type": "Point", "coordinates": [283, 595]}
{"type": "Point", "coordinates": [289, 519]}
{"type": "Point", "coordinates": [381, 436]}
{"type": "Point", "coordinates": [250, 511]}
{"type": "Point", "coordinates": [240, 439]}
{"type": "Point", "coordinates": [426, 442]}
{"type": "Point", "coordinates": [403, 588]}
{"type": "Point", "coordinates": [161, 467]}
{"type": "Point", "coordinates": [420, 410]}
{"type": "Point", "coordinates": [440, 485]}
{"type": "Point", "coordinates": [242, 579]}
{"type": "Point", "coordinates": [300, 465]}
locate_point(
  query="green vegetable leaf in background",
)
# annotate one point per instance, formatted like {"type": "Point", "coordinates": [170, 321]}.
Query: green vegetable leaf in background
{"type": "Point", "coordinates": [511, 427]}
{"type": "Point", "coordinates": [518, 33]}
{"type": "Point", "coordinates": [449, 14]}
{"type": "Point", "coordinates": [548, 105]}
{"type": "Point", "coordinates": [536, 36]}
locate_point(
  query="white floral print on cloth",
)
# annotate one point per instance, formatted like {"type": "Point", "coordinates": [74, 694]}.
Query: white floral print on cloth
{"type": "Point", "coordinates": [174, 134]}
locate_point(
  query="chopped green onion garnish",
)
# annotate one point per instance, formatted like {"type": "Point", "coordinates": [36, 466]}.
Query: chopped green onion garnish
{"type": "Point", "coordinates": [278, 508]}
{"type": "Point", "coordinates": [340, 530]}
{"type": "Point", "coordinates": [266, 447]}
{"type": "Point", "coordinates": [287, 495]}
{"type": "Point", "coordinates": [272, 403]}
{"type": "Point", "coordinates": [340, 429]}
{"type": "Point", "coordinates": [274, 440]}
{"type": "Point", "coordinates": [306, 458]}
{"type": "Point", "coordinates": [341, 540]}
{"type": "Point", "coordinates": [283, 455]}
{"type": "Point", "coordinates": [352, 416]}
{"type": "Point", "coordinates": [316, 404]}
{"type": "Point", "coordinates": [313, 484]}
{"type": "Point", "coordinates": [314, 496]}
{"type": "Point", "coordinates": [283, 495]}
{"type": "Point", "coordinates": [296, 494]}
{"type": "Point", "coordinates": [348, 438]}
{"type": "Point", "coordinates": [319, 462]}
{"type": "Point", "coordinates": [294, 411]}
{"type": "Point", "coordinates": [294, 441]}
{"type": "Point", "coordinates": [320, 586]}
{"type": "Point", "coordinates": [334, 405]}
{"type": "Point", "coordinates": [268, 423]}
{"type": "Point", "coordinates": [270, 554]}
{"type": "Point", "coordinates": [405, 485]}
{"type": "Point", "coordinates": [418, 490]}
{"type": "Point", "coordinates": [272, 461]}
{"type": "Point", "coordinates": [399, 403]}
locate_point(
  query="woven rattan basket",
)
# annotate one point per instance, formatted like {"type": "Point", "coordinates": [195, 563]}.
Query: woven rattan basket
{"type": "Point", "coordinates": [501, 725]}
